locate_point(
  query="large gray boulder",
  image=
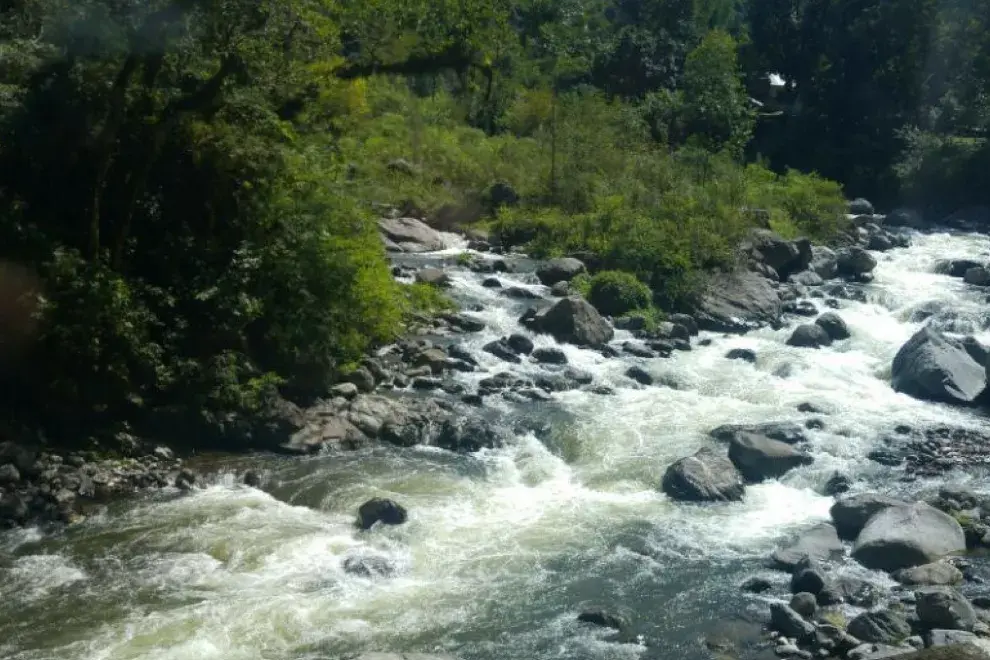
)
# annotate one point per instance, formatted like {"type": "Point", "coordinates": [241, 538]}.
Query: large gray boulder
{"type": "Point", "coordinates": [809, 335]}
{"type": "Point", "coordinates": [833, 325]}
{"type": "Point", "coordinates": [575, 321]}
{"type": "Point", "coordinates": [883, 627]}
{"type": "Point", "coordinates": [560, 270]}
{"type": "Point", "coordinates": [824, 262]}
{"type": "Point", "coordinates": [783, 256]}
{"type": "Point", "coordinates": [737, 302]}
{"type": "Point", "coordinates": [818, 543]}
{"type": "Point", "coordinates": [855, 261]}
{"type": "Point", "coordinates": [945, 608]}
{"type": "Point", "coordinates": [934, 367]}
{"type": "Point", "coordinates": [759, 458]}
{"type": "Point", "coordinates": [850, 514]}
{"type": "Point", "coordinates": [409, 235]}
{"type": "Point", "coordinates": [908, 535]}
{"type": "Point", "coordinates": [705, 477]}
{"type": "Point", "coordinates": [937, 574]}
{"type": "Point", "coordinates": [977, 276]}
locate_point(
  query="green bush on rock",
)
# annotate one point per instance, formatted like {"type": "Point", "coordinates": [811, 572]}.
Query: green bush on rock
{"type": "Point", "coordinates": [615, 293]}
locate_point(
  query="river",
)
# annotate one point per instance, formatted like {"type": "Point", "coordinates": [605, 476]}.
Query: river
{"type": "Point", "coordinates": [503, 548]}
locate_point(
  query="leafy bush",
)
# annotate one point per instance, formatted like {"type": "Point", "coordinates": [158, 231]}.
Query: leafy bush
{"type": "Point", "coordinates": [614, 293]}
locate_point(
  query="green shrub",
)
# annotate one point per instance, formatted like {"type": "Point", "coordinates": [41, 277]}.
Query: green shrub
{"type": "Point", "coordinates": [615, 293]}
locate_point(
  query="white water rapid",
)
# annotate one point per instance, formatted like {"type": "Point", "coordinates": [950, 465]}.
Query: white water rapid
{"type": "Point", "coordinates": [505, 547]}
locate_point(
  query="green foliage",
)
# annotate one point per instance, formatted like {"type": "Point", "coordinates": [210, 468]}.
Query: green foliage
{"type": "Point", "coordinates": [941, 173]}
{"type": "Point", "coordinates": [614, 293]}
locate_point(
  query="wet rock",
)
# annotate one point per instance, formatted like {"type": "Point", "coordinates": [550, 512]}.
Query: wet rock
{"type": "Point", "coordinates": [877, 652]}
{"type": "Point", "coordinates": [637, 350]}
{"type": "Point", "coordinates": [807, 278]}
{"type": "Point", "coordinates": [737, 302]}
{"type": "Point", "coordinates": [705, 477]}
{"type": "Point", "coordinates": [639, 375]}
{"type": "Point", "coordinates": [744, 354]}
{"type": "Point", "coordinates": [468, 435]}
{"type": "Point", "coordinates": [859, 206]}
{"type": "Point", "coordinates": [492, 283]}
{"type": "Point", "coordinates": [943, 607]}
{"type": "Point", "coordinates": [574, 321]}
{"type": "Point", "coordinates": [941, 638]}
{"type": "Point", "coordinates": [427, 384]}
{"type": "Point", "coordinates": [382, 510]}
{"type": "Point", "coordinates": [804, 604]}
{"type": "Point", "coordinates": [818, 543]}
{"type": "Point", "coordinates": [559, 270]}
{"type": "Point", "coordinates": [934, 367]}
{"type": "Point", "coordinates": [855, 591]}
{"type": "Point", "coordinates": [502, 350]}
{"type": "Point", "coordinates": [883, 627]}
{"type": "Point", "coordinates": [789, 623]}
{"type": "Point", "coordinates": [786, 432]}
{"type": "Point", "coordinates": [9, 475]}
{"type": "Point", "coordinates": [808, 577]}
{"type": "Point", "coordinates": [756, 585]}
{"type": "Point", "coordinates": [251, 479]}
{"type": "Point", "coordinates": [686, 321]}
{"type": "Point", "coordinates": [409, 235]}
{"type": "Point", "coordinates": [907, 535]}
{"type": "Point", "coordinates": [809, 335]}
{"type": "Point", "coordinates": [977, 276]}
{"type": "Point", "coordinates": [824, 262]}
{"type": "Point", "coordinates": [605, 619]}
{"type": "Point", "coordinates": [371, 566]}
{"type": "Point", "coordinates": [855, 262]}
{"type": "Point", "coordinates": [801, 308]}
{"type": "Point", "coordinates": [885, 457]}
{"type": "Point", "coordinates": [520, 344]}
{"type": "Point", "coordinates": [519, 293]}
{"type": "Point", "coordinates": [851, 514]}
{"type": "Point", "coordinates": [956, 267]}
{"type": "Point", "coordinates": [837, 484]}
{"type": "Point", "coordinates": [835, 639]}
{"type": "Point", "coordinates": [433, 277]}
{"type": "Point", "coordinates": [362, 378]}
{"type": "Point", "coordinates": [759, 458]}
{"type": "Point", "coordinates": [975, 349]}
{"type": "Point", "coordinates": [833, 325]}
{"type": "Point", "coordinates": [938, 573]}
{"type": "Point", "coordinates": [561, 289]}
{"type": "Point", "coordinates": [550, 356]}
{"type": "Point", "coordinates": [465, 322]}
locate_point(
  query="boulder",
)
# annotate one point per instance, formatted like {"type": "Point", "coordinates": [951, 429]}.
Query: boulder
{"type": "Point", "coordinates": [787, 432]}
{"type": "Point", "coordinates": [502, 350]}
{"type": "Point", "coordinates": [550, 356]}
{"type": "Point", "coordinates": [744, 354]}
{"type": "Point", "coordinates": [465, 322]}
{"type": "Point", "coordinates": [759, 458]}
{"type": "Point", "coordinates": [977, 276]}
{"type": "Point", "coordinates": [561, 289]}
{"type": "Point", "coordinates": [560, 270]}
{"type": "Point", "coordinates": [837, 484]}
{"type": "Point", "coordinates": [854, 591]}
{"type": "Point", "coordinates": [934, 367]}
{"type": "Point", "coordinates": [521, 344]}
{"type": "Point", "coordinates": [824, 262]}
{"type": "Point", "coordinates": [818, 543]}
{"type": "Point", "coordinates": [362, 378]}
{"type": "Point", "coordinates": [905, 218]}
{"type": "Point", "coordinates": [468, 435]}
{"type": "Point", "coordinates": [883, 627]}
{"type": "Point", "coordinates": [940, 638]}
{"type": "Point", "coordinates": [519, 293]}
{"type": "Point", "coordinates": [975, 349]}
{"type": "Point", "coordinates": [833, 325]}
{"type": "Point", "coordinates": [433, 277]}
{"type": "Point", "coordinates": [705, 477]}
{"type": "Point", "coordinates": [789, 623]}
{"type": "Point", "coordinates": [382, 510]}
{"type": "Point", "coordinates": [809, 335]}
{"type": "Point", "coordinates": [409, 235]}
{"type": "Point", "coordinates": [908, 535]}
{"type": "Point", "coordinates": [756, 585]}
{"type": "Point", "coordinates": [851, 514]}
{"type": "Point", "coordinates": [804, 604]}
{"type": "Point", "coordinates": [737, 302]}
{"type": "Point", "coordinates": [936, 574]}
{"type": "Point", "coordinates": [807, 577]}
{"type": "Point", "coordinates": [783, 256]}
{"type": "Point", "coordinates": [640, 375]}
{"type": "Point", "coordinates": [945, 608]}
{"type": "Point", "coordinates": [859, 206]}
{"type": "Point", "coordinates": [599, 617]}
{"type": "Point", "coordinates": [956, 267]}
{"type": "Point", "coordinates": [686, 321]}
{"type": "Point", "coordinates": [492, 283]}
{"type": "Point", "coordinates": [575, 321]}
{"type": "Point", "coordinates": [807, 278]}
{"type": "Point", "coordinates": [854, 262]}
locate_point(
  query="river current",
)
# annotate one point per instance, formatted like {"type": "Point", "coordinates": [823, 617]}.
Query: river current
{"type": "Point", "coordinates": [505, 547]}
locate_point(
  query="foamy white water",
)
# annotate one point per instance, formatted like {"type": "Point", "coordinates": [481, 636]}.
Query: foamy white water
{"type": "Point", "coordinates": [503, 548]}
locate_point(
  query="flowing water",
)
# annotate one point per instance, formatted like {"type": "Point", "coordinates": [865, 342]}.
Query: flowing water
{"type": "Point", "coordinates": [503, 548]}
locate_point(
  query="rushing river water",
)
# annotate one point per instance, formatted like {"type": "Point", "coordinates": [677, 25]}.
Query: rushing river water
{"type": "Point", "coordinates": [505, 547]}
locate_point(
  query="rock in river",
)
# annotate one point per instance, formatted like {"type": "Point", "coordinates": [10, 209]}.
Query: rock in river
{"type": "Point", "coordinates": [381, 510]}
{"type": "Point", "coordinates": [559, 270]}
{"type": "Point", "coordinates": [934, 367]}
{"type": "Point", "coordinates": [851, 514]}
{"type": "Point", "coordinates": [705, 477]}
{"type": "Point", "coordinates": [819, 542]}
{"type": "Point", "coordinates": [738, 301]}
{"type": "Point", "coordinates": [945, 608]}
{"type": "Point", "coordinates": [574, 321]}
{"type": "Point", "coordinates": [759, 458]}
{"type": "Point", "coordinates": [908, 535]}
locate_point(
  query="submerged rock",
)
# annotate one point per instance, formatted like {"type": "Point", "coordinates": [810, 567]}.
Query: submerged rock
{"type": "Point", "coordinates": [382, 510]}
{"type": "Point", "coordinates": [370, 566]}
{"type": "Point", "coordinates": [599, 617]}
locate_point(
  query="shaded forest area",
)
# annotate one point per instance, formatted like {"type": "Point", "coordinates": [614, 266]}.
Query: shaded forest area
{"type": "Point", "coordinates": [189, 188]}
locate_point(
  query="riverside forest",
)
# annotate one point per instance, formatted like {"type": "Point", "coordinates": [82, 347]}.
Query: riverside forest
{"type": "Point", "coordinates": [478, 330]}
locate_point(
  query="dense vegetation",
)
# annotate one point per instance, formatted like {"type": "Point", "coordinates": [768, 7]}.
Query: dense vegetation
{"type": "Point", "coordinates": [190, 187]}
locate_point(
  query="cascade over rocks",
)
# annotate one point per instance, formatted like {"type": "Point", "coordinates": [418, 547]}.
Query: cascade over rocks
{"type": "Point", "coordinates": [575, 321]}
{"type": "Point", "coordinates": [935, 367]}
{"type": "Point", "coordinates": [705, 477]}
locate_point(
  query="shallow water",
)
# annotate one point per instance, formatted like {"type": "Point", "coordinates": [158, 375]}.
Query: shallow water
{"type": "Point", "coordinates": [505, 547]}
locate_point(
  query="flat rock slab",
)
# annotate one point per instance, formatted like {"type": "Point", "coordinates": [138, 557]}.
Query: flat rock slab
{"type": "Point", "coordinates": [818, 543]}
